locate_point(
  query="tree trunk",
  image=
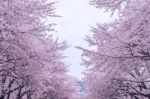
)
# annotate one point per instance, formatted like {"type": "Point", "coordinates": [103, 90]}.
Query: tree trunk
{"type": "Point", "coordinates": [2, 97]}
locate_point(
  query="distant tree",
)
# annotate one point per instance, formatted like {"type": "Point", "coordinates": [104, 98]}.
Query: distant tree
{"type": "Point", "coordinates": [31, 62]}
{"type": "Point", "coordinates": [118, 67]}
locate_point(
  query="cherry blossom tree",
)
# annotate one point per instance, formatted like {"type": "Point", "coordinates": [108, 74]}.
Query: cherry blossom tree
{"type": "Point", "coordinates": [118, 66]}
{"type": "Point", "coordinates": [31, 61]}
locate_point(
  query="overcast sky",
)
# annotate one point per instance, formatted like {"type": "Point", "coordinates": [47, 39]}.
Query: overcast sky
{"type": "Point", "coordinates": [77, 18]}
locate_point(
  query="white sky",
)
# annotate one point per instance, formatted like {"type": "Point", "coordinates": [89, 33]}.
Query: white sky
{"type": "Point", "coordinates": [78, 17]}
